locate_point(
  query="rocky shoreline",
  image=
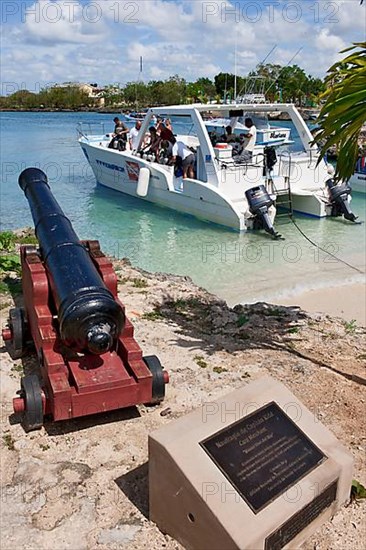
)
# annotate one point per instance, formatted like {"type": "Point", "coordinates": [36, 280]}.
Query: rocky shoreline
{"type": "Point", "coordinates": [83, 484]}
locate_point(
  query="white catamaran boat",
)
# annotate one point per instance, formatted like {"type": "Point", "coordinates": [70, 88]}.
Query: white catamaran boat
{"type": "Point", "coordinates": [238, 195]}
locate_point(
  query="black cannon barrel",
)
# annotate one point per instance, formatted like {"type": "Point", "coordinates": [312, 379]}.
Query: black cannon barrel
{"type": "Point", "coordinates": [89, 317]}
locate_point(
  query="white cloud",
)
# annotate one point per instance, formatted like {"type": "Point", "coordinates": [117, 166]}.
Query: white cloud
{"type": "Point", "coordinates": [64, 40]}
{"type": "Point", "coordinates": [349, 17]}
{"type": "Point", "coordinates": [56, 22]}
{"type": "Point", "coordinates": [329, 42]}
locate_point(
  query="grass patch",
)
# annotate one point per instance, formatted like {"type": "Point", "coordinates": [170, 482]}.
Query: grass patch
{"type": "Point", "coordinates": [200, 361]}
{"type": "Point", "coordinates": [242, 319]}
{"type": "Point", "coordinates": [274, 312]}
{"type": "Point", "coordinates": [219, 370]}
{"type": "Point", "coordinates": [182, 304]}
{"type": "Point", "coordinates": [293, 330]}
{"type": "Point", "coordinates": [12, 286]}
{"type": "Point", "coordinates": [350, 326]}
{"type": "Point", "coordinates": [27, 239]}
{"type": "Point", "coordinates": [9, 442]}
{"type": "Point", "coordinates": [139, 283]}
{"type": "Point", "coordinates": [17, 368]}
{"type": "Point", "coordinates": [155, 315]}
{"type": "Point", "coordinates": [10, 262]}
{"type": "Point", "coordinates": [123, 280]}
{"type": "Point", "coordinates": [7, 241]}
{"type": "Point", "coordinates": [357, 490]}
{"type": "Point", "coordinates": [44, 447]}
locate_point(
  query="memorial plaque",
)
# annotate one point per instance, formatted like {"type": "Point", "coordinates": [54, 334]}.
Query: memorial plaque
{"type": "Point", "coordinates": [217, 473]}
{"type": "Point", "coordinates": [263, 455]}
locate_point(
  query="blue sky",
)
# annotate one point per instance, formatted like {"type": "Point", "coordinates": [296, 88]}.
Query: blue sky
{"type": "Point", "coordinates": [54, 41]}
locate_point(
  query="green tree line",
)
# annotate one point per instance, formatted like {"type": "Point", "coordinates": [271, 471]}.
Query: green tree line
{"type": "Point", "coordinates": [57, 97]}
{"type": "Point", "coordinates": [288, 84]}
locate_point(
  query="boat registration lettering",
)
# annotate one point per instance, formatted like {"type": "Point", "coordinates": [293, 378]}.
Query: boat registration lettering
{"type": "Point", "coordinates": [277, 135]}
{"type": "Point", "coordinates": [110, 166]}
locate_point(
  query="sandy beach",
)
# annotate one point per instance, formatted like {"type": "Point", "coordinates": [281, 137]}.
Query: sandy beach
{"type": "Point", "coordinates": [83, 484]}
{"type": "Point", "coordinates": [345, 301]}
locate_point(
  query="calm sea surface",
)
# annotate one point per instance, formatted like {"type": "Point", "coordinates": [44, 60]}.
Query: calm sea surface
{"type": "Point", "coordinates": [238, 267]}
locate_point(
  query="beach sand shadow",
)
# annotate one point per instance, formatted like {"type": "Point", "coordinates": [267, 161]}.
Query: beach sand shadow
{"type": "Point", "coordinates": [212, 325]}
{"type": "Point", "coordinates": [135, 485]}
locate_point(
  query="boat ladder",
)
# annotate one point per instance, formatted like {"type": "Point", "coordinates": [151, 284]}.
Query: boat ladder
{"type": "Point", "coordinates": [283, 190]}
{"type": "Point", "coordinates": [283, 199]}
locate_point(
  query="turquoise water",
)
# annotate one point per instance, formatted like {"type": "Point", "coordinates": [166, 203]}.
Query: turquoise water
{"type": "Point", "coordinates": [238, 267]}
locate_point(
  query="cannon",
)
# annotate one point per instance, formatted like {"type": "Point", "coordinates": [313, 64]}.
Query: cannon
{"type": "Point", "coordinates": [72, 317]}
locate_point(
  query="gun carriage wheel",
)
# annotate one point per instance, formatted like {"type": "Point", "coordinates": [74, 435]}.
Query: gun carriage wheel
{"type": "Point", "coordinates": [17, 327]}
{"type": "Point", "coordinates": [160, 378]}
{"type": "Point", "coordinates": [30, 403]}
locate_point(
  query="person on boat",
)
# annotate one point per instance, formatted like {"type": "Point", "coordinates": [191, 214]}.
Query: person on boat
{"type": "Point", "coordinates": [180, 150]}
{"type": "Point", "coordinates": [230, 137]}
{"type": "Point", "coordinates": [246, 154]}
{"type": "Point", "coordinates": [153, 144]}
{"type": "Point", "coordinates": [165, 132]}
{"type": "Point", "coordinates": [168, 124]}
{"type": "Point", "coordinates": [119, 138]}
{"type": "Point", "coordinates": [134, 133]}
{"type": "Point", "coordinates": [120, 127]}
{"type": "Point", "coordinates": [166, 152]}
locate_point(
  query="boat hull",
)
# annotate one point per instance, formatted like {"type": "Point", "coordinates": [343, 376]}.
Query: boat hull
{"type": "Point", "coordinates": [120, 172]}
{"type": "Point", "coordinates": [358, 182]}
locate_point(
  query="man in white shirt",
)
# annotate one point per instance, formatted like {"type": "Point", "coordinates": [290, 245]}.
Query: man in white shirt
{"type": "Point", "coordinates": [181, 150]}
{"type": "Point", "coordinates": [134, 132]}
{"type": "Point", "coordinates": [247, 153]}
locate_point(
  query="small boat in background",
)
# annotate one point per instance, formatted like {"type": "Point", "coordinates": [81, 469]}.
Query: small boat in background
{"type": "Point", "coordinates": [135, 115]}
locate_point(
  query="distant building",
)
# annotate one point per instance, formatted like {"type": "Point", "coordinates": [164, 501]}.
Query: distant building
{"type": "Point", "coordinates": [92, 90]}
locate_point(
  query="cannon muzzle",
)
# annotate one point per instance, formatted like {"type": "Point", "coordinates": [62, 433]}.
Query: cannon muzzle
{"type": "Point", "coordinates": [90, 319]}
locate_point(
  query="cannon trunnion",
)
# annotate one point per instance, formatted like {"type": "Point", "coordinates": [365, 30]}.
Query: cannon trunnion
{"type": "Point", "coordinates": [89, 360]}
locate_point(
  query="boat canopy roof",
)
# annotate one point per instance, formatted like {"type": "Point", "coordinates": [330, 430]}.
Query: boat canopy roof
{"type": "Point", "coordinates": [239, 109]}
{"type": "Point", "coordinates": [225, 108]}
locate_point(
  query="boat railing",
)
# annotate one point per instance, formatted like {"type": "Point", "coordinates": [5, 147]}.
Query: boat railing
{"type": "Point", "coordinates": [257, 161]}
{"type": "Point", "coordinates": [89, 129]}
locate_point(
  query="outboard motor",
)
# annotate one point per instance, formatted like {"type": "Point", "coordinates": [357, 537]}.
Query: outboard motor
{"type": "Point", "coordinates": [259, 204]}
{"type": "Point", "coordinates": [338, 196]}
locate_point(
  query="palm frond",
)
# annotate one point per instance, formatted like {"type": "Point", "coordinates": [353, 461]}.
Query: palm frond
{"type": "Point", "coordinates": [344, 112]}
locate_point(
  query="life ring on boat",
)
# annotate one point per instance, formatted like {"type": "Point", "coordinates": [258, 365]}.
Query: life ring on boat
{"type": "Point", "coordinates": [143, 182]}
